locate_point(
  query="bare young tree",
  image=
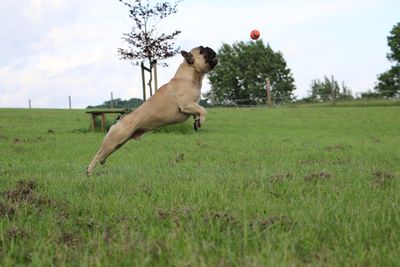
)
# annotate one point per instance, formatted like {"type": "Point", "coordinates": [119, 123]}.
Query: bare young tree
{"type": "Point", "coordinates": [144, 42]}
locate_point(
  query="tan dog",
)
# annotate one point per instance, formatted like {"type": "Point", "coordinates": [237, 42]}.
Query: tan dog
{"type": "Point", "coordinates": [173, 103]}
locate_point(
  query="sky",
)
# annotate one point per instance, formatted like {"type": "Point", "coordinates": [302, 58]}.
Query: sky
{"type": "Point", "coordinates": [53, 49]}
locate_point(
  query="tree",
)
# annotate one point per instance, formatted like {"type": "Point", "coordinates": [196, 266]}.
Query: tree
{"type": "Point", "coordinates": [389, 81]}
{"type": "Point", "coordinates": [394, 44]}
{"type": "Point", "coordinates": [144, 42]}
{"type": "Point", "coordinates": [119, 103]}
{"type": "Point", "coordinates": [328, 90]}
{"type": "Point", "coordinates": [241, 73]}
{"type": "Point", "coordinates": [370, 95]}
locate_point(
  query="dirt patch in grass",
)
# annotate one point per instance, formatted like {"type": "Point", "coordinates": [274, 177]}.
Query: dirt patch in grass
{"type": "Point", "coordinates": [382, 178]}
{"type": "Point", "coordinates": [317, 176]}
{"type": "Point", "coordinates": [69, 239]}
{"type": "Point", "coordinates": [21, 191]}
{"type": "Point", "coordinates": [224, 218]}
{"type": "Point", "coordinates": [337, 147]}
{"type": "Point", "coordinates": [179, 157]}
{"type": "Point", "coordinates": [375, 140]}
{"type": "Point", "coordinates": [82, 130]}
{"type": "Point", "coordinates": [6, 210]}
{"type": "Point", "coordinates": [16, 233]}
{"type": "Point", "coordinates": [341, 161]}
{"type": "Point", "coordinates": [252, 184]}
{"type": "Point", "coordinates": [108, 235]}
{"type": "Point", "coordinates": [25, 191]}
{"type": "Point", "coordinates": [281, 176]}
{"type": "Point", "coordinates": [143, 189]}
{"type": "Point", "coordinates": [336, 161]}
{"type": "Point", "coordinates": [176, 216]}
{"type": "Point", "coordinates": [18, 140]}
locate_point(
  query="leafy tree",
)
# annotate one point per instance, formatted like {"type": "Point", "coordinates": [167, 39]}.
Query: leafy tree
{"type": "Point", "coordinates": [370, 95]}
{"type": "Point", "coordinates": [389, 81]}
{"type": "Point", "coordinates": [328, 90]}
{"type": "Point", "coordinates": [119, 103]}
{"type": "Point", "coordinates": [241, 73]}
{"type": "Point", "coordinates": [394, 44]}
{"type": "Point", "coordinates": [144, 42]}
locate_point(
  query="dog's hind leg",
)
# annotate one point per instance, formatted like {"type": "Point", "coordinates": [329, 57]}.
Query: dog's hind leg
{"type": "Point", "coordinates": [115, 138]}
{"type": "Point", "coordinates": [101, 156]}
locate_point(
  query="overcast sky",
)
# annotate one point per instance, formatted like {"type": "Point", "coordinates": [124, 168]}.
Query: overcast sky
{"type": "Point", "coordinates": [52, 49]}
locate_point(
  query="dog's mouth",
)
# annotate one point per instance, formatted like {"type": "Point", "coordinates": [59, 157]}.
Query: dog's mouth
{"type": "Point", "coordinates": [210, 56]}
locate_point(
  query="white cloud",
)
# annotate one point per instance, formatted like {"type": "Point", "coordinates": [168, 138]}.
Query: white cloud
{"type": "Point", "coordinates": [56, 48]}
{"type": "Point", "coordinates": [290, 49]}
{"type": "Point", "coordinates": [36, 10]}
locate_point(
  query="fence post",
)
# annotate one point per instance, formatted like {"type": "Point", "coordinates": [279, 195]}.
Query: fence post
{"type": "Point", "coordinates": [333, 85]}
{"type": "Point", "coordinates": [155, 76]}
{"type": "Point", "coordinates": [143, 82]}
{"type": "Point", "coordinates": [112, 100]}
{"type": "Point", "coordinates": [268, 88]}
{"type": "Point", "coordinates": [69, 102]}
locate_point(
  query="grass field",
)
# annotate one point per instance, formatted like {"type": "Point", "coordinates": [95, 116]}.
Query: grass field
{"type": "Point", "coordinates": [254, 187]}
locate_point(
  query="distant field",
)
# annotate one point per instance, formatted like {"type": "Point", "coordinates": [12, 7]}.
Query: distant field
{"type": "Point", "coordinates": [254, 187]}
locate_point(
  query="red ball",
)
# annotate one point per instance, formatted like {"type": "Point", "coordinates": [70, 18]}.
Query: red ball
{"type": "Point", "coordinates": [254, 34]}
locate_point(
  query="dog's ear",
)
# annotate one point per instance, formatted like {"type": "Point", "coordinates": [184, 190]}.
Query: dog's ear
{"type": "Point", "coordinates": [188, 56]}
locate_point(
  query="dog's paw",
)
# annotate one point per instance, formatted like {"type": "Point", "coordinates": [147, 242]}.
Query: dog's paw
{"type": "Point", "coordinates": [88, 173]}
{"type": "Point", "coordinates": [196, 124]}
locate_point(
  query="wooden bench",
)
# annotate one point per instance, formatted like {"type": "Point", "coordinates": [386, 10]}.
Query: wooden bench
{"type": "Point", "coordinates": [102, 112]}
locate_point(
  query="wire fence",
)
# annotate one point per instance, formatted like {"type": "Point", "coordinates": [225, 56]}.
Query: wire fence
{"type": "Point", "coordinates": [275, 101]}
{"type": "Point", "coordinates": [317, 99]}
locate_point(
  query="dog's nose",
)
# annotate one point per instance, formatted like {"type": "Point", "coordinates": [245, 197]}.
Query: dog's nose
{"type": "Point", "coordinates": [211, 52]}
{"type": "Point", "coordinates": [213, 62]}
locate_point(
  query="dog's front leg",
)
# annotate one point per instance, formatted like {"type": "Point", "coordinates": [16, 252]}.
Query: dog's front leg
{"type": "Point", "coordinates": [198, 112]}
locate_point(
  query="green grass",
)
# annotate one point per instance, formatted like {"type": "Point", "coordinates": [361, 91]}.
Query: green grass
{"type": "Point", "coordinates": [254, 187]}
{"type": "Point", "coordinates": [352, 103]}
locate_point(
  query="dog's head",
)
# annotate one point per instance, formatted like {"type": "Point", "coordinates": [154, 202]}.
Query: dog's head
{"type": "Point", "coordinates": [203, 58]}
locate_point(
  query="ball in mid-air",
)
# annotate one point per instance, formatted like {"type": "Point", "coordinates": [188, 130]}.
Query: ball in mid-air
{"type": "Point", "coordinates": [254, 34]}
